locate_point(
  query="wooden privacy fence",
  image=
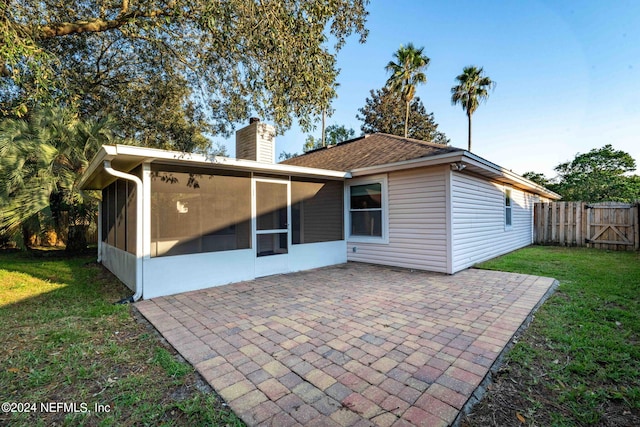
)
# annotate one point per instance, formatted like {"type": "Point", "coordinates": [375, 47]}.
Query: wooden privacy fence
{"type": "Point", "coordinates": [608, 225]}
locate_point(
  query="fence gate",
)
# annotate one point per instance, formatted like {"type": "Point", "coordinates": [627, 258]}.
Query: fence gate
{"type": "Point", "coordinates": [609, 225]}
{"type": "Point", "coordinates": [613, 224]}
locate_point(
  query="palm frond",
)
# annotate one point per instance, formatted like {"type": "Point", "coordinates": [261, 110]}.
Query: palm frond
{"type": "Point", "coordinates": [472, 89]}
{"type": "Point", "coordinates": [42, 156]}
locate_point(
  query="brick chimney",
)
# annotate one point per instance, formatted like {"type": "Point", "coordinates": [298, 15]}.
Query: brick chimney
{"type": "Point", "coordinates": [256, 142]}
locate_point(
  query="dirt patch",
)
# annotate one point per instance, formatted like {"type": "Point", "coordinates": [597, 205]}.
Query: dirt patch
{"type": "Point", "coordinates": [520, 396]}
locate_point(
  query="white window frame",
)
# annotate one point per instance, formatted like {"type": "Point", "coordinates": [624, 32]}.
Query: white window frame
{"type": "Point", "coordinates": [375, 179]}
{"type": "Point", "coordinates": [508, 209]}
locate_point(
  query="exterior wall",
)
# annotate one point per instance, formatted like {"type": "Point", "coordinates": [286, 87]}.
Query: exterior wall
{"type": "Point", "coordinates": [181, 273]}
{"type": "Point", "coordinates": [417, 223]}
{"type": "Point", "coordinates": [120, 263]}
{"type": "Point", "coordinates": [315, 255]}
{"type": "Point", "coordinates": [478, 231]}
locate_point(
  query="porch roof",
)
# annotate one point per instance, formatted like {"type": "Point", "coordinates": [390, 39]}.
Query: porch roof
{"type": "Point", "coordinates": [126, 157]}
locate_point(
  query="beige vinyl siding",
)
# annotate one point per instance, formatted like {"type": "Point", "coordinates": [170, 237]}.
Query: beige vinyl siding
{"type": "Point", "coordinates": [265, 151]}
{"type": "Point", "coordinates": [256, 142]}
{"type": "Point", "coordinates": [417, 224]}
{"type": "Point", "coordinates": [478, 220]}
{"type": "Point", "coordinates": [246, 143]}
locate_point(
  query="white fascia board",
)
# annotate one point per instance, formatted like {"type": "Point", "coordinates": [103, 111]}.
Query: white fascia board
{"type": "Point", "coordinates": [266, 167]}
{"type": "Point", "coordinates": [151, 154]}
{"type": "Point", "coordinates": [143, 154]}
{"type": "Point", "coordinates": [106, 152]}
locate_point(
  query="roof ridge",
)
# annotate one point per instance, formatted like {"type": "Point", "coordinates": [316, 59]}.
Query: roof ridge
{"type": "Point", "coordinates": [334, 145]}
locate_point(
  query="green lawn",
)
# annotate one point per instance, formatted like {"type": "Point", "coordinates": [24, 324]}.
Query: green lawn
{"type": "Point", "coordinates": [63, 340]}
{"type": "Point", "coordinates": [579, 361]}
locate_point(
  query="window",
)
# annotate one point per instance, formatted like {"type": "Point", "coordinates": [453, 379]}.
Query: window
{"type": "Point", "coordinates": [507, 208]}
{"type": "Point", "coordinates": [367, 210]}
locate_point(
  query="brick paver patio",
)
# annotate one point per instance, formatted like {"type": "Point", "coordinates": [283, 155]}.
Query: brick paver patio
{"type": "Point", "coordinates": [349, 345]}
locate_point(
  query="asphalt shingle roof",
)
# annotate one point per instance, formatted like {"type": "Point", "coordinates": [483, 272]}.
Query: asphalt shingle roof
{"type": "Point", "coordinates": [369, 150]}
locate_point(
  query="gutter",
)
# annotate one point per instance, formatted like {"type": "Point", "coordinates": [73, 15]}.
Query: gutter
{"type": "Point", "coordinates": [457, 156]}
{"type": "Point", "coordinates": [139, 206]}
{"type": "Point", "coordinates": [408, 164]}
{"type": "Point", "coordinates": [515, 177]}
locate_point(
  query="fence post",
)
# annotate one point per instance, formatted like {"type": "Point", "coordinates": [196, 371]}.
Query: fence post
{"type": "Point", "coordinates": [636, 226]}
{"type": "Point", "coordinates": [571, 224]}
{"type": "Point", "coordinates": [554, 222]}
{"type": "Point", "coordinates": [561, 223]}
{"type": "Point", "coordinates": [579, 211]}
{"type": "Point", "coordinates": [537, 220]}
{"type": "Point", "coordinates": [545, 230]}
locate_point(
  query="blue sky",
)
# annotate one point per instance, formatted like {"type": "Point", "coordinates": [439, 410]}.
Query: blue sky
{"type": "Point", "coordinates": [567, 73]}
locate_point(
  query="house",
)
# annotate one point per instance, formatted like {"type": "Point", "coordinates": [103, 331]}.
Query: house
{"type": "Point", "coordinates": [172, 222]}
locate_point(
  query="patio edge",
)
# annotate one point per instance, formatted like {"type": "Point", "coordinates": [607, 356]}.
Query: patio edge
{"type": "Point", "coordinates": [481, 390]}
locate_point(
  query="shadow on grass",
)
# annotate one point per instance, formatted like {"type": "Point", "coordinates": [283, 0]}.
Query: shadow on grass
{"type": "Point", "coordinates": [56, 284]}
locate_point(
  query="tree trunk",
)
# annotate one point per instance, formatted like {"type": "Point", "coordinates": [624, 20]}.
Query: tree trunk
{"type": "Point", "coordinates": [77, 238]}
{"type": "Point", "coordinates": [29, 238]}
{"type": "Point", "coordinates": [469, 117]}
{"type": "Point", "coordinates": [406, 120]}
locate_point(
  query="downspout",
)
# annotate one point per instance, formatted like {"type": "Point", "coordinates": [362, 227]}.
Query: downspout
{"type": "Point", "coordinates": [99, 260]}
{"type": "Point", "coordinates": [139, 205]}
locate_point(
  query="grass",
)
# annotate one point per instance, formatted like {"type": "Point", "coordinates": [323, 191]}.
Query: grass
{"type": "Point", "coordinates": [579, 361]}
{"type": "Point", "coordinates": [65, 341]}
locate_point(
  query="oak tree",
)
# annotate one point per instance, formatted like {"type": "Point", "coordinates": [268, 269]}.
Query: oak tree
{"type": "Point", "coordinates": [171, 71]}
{"type": "Point", "coordinates": [601, 175]}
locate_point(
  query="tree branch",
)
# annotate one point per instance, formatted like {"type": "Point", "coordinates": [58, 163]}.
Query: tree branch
{"type": "Point", "coordinates": [96, 25]}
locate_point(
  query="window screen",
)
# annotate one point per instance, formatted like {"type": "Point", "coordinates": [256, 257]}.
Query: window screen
{"type": "Point", "coordinates": [104, 212]}
{"type": "Point", "coordinates": [194, 211]}
{"type": "Point", "coordinates": [317, 211]}
{"type": "Point", "coordinates": [119, 215]}
{"type": "Point", "coordinates": [131, 216]}
{"type": "Point", "coordinates": [271, 206]}
{"type": "Point", "coordinates": [111, 214]}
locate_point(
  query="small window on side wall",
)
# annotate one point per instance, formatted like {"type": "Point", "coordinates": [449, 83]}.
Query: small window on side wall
{"type": "Point", "coordinates": [507, 208]}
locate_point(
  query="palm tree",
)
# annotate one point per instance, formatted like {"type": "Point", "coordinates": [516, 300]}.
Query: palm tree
{"type": "Point", "coordinates": [471, 90]}
{"type": "Point", "coordinates": [41, 161]}
{"type": "Point", "coordinates": [406, 73]}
